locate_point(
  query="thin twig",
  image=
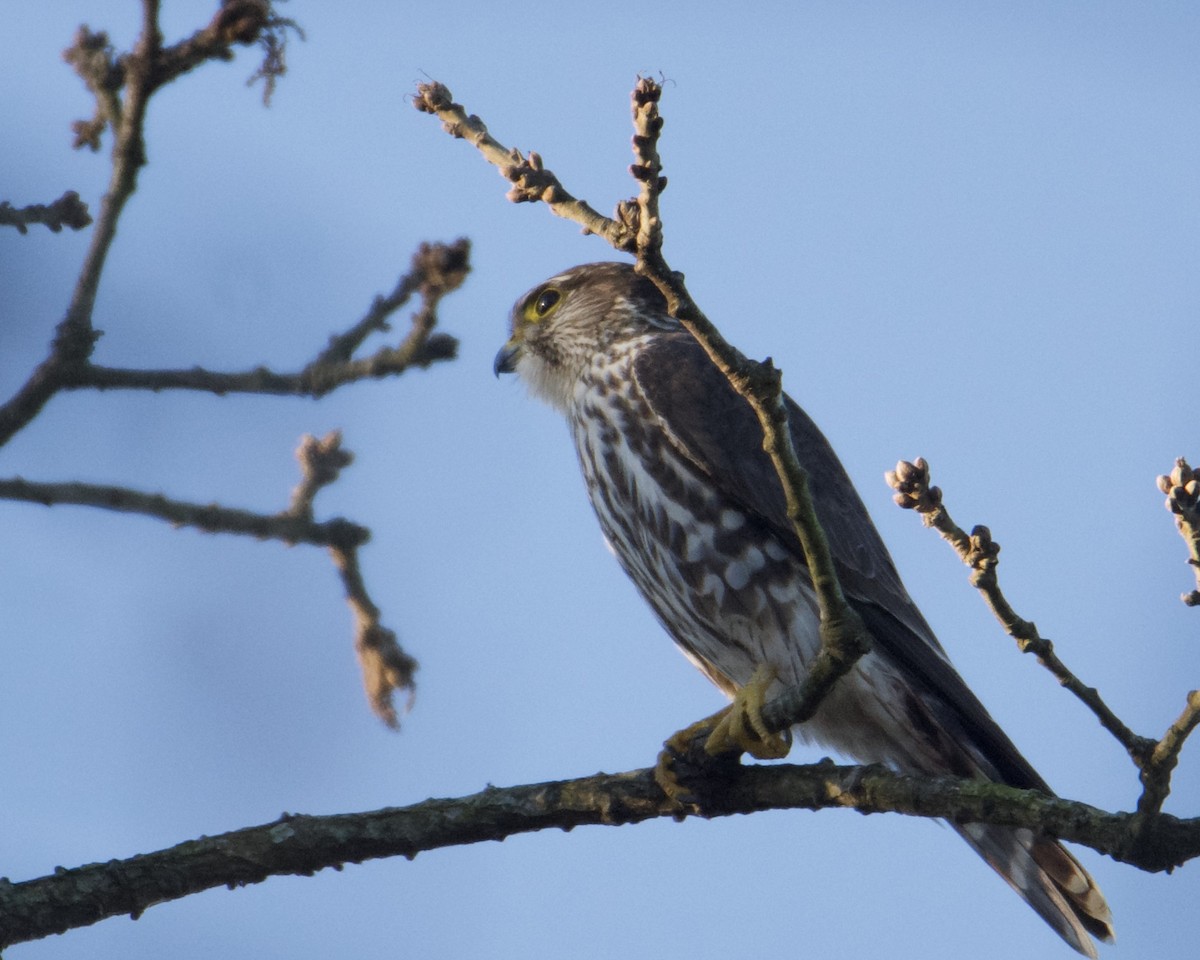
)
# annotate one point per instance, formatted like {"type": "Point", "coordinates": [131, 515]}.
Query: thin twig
{"type": "Point", "coordinates": [386, 668]}
{"type": "Point", "coordinates": [211, 517]}
{"type": "Point", "coordinates": [844, 639]}
{"type": "Point", "coordinates": [530, 179]}
{"type": "Point", "coordinates": [1182, 487]}
{"type": "Point", "coordinates": [122, 87]}
{"type": "Point", "coordinates": [437, 269]}
{"type": "Point", "coordinates": [982, 554]}
{"type": "Point", "coordinates": [638, 228]}
{"type": "Point", "coordinates": [1157, 770]}
{"type": "Point", "coordinates": [67, 211]}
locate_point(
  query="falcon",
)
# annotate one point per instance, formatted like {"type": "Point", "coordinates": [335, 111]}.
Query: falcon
{"type": "Point", "coordinates": [692, 507]}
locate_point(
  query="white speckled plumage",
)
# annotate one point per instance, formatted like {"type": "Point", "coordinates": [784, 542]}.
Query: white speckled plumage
{"type": "Point", "coordinates": [692, 510]}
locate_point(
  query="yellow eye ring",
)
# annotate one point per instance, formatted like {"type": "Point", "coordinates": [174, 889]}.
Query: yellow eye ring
{"type": "Point", "coordinates": [545, 304]}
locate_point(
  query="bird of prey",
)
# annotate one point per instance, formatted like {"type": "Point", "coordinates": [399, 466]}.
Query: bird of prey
{"type": "Point", "coordinates": [691, 505]}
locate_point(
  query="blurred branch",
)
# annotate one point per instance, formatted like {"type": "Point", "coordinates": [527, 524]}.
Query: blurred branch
{"type": "Point", "coordinates": [211, 518]}
{"type": "Point", "coordinates": [67, 211]}
{"type": "Point", "coordinates": [386, 668]}
{"type": "Point", "coordinates": [302, 845]}
{"type": "Point", "coordinates": [638, 228]}
{"type": "Point", "coordinates": [437, 269]}
{"type": "Point", "coordinates": [122, 87]}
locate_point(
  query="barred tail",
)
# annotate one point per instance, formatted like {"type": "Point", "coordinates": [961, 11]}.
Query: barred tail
{"type": "Point", "coordinates": [1049, 879]}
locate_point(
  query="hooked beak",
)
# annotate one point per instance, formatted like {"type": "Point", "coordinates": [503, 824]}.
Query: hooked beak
{"type": "Point", "coordinates": [507, 357]}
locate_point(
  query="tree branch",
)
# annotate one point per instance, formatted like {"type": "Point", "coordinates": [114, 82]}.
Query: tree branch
{"type": "Point", "coordinates": [530, 179]}
{"type": "Point", "coordinates": [386, 668]}
{"type": "Point", "coordinates": [122, 87]}
{"type": "Point", "coordinates": [982, 554]}
{"type": "Point", "coordinates": [844, 639]}
{"type": "Point", "coordinates": [437, 269]}
{"type": "Point", "coordinates": [67, 211]}
{"type": "Point", "coordinates": [1182, 487]}
{"type": "Point", "coordinates": [1155, 760]}
{"type": "Point", "coordinates": [302, 845]}
{"type": "Point", "coordinates": [637, 227]}
{"type": "Point", "coordinates": [211, 518]}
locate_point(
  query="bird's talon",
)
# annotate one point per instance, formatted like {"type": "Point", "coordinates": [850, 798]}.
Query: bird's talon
{"type": "Point", "coordinates": [740, 727]}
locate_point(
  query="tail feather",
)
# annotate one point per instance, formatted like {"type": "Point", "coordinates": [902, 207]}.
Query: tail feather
{"type": "Point", "coordinates": [1049, 879]}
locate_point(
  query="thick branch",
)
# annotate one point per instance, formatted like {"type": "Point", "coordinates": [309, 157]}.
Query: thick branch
{"type": "Point", "coordinates": [302, 845]}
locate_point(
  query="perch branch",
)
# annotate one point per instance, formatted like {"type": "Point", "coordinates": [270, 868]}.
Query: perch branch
{"type": "Point", "coordinates": [302, 845]}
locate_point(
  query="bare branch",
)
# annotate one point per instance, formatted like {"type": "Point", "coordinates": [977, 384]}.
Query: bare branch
{"type": "Point", "coordinates": [531, 180]}
{"type": "Point", "coordinates": [67, 211]}
{"type": "Point", "coordinates": [982, 554]}
{"type": "Point", "coordinates": [1157, 770]}
{"type": "Point", "coordinates": [211, 518]}
{"type": "Point", "coordinates": [122, 87]}
{"type": "Point", "coordinates": [302, 845]}
{"type": "Point", "coordinates": [844, 639]}
{"type": "Point", "coordinates": [637, 227]}
{"type": "Point", "coordinates": [437, 269]}
{"type": "Point", "coordinates": [386, 668]}
{"type": "Point", "coordinates": [1182, 487]}
{"type": "Point", "coordinates": [321, 463]}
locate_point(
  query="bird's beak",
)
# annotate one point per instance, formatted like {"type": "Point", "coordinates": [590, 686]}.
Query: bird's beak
{"type": "Point", "coordinates": [506, 359]}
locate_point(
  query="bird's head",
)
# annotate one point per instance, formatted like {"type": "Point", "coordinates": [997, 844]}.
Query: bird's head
{"type": "Point", "coordinates": [559, 326]}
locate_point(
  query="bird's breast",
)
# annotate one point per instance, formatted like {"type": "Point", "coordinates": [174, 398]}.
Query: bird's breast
{"type": "Point", "coordinates": [720, 582]}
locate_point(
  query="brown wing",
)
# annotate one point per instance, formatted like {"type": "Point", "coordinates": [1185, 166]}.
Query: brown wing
{"type": "Point", "coordinates": [716, 429]}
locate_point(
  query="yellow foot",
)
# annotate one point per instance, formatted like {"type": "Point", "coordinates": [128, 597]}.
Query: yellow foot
{"type": "Point", "coordinates": [728, 733]}
{"type": "Point", "coordinates": [740, 727]}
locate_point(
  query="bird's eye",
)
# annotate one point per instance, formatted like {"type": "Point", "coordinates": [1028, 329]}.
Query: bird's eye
{"type": "Point", "coordinates": [544, 305]}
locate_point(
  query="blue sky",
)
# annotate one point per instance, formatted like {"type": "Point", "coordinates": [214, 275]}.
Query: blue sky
{"type": "Point", "coordinates": [967, 232]}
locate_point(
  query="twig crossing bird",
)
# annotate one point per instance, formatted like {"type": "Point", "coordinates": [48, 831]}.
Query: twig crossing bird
{"type": "Point", "coordinates": [693, 509]}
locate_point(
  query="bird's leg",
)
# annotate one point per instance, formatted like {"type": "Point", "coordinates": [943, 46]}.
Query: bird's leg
{"type": "Point", "coordinates": [722, 738]}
